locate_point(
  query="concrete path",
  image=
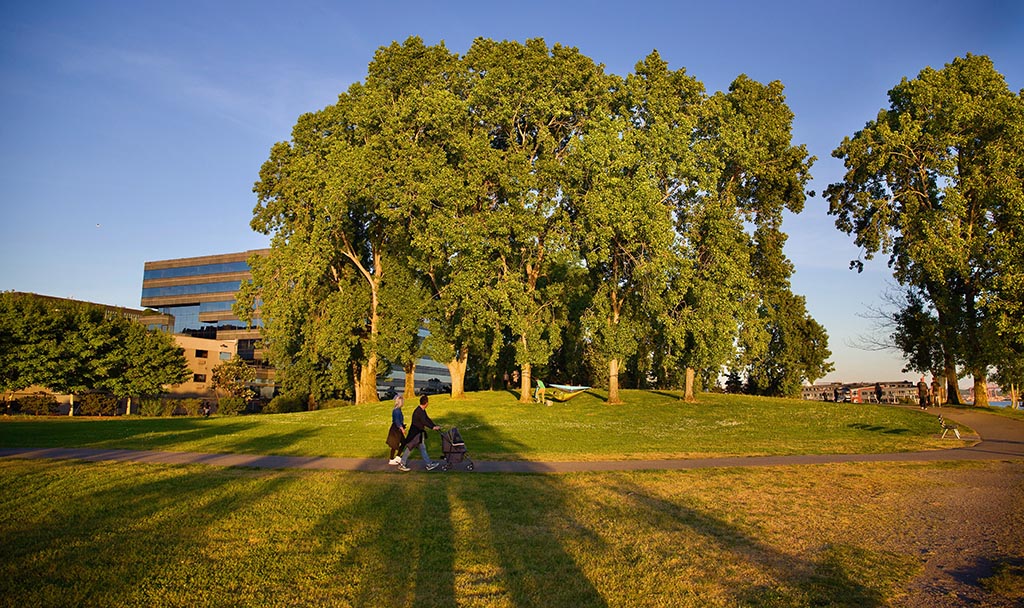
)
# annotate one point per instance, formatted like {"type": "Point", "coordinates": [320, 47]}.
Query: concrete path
{"type": "Point", "coordinates": [999, 438]}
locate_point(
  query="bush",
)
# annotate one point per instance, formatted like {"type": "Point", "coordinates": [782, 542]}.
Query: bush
{"type": "Point", "coordinates": [153, 406]}
{"type": "Point", "coordinates": [283, 404]}
{"type": "Point", "coordinates": [229, 406]}
{"type": "Point", "coordinates": [189, 407]}
{"type": "Point", "coordinates": [333, 403]}
{"type": "Point", "coordinates": [96, 404]}
{"type": "Point", "coordinates": [40, 404]}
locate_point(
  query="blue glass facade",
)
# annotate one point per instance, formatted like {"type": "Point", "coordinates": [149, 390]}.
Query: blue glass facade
{"type": "Point", "coordinates": [195, 271]}
{"type": "Point", "coordinates": [193, 289]}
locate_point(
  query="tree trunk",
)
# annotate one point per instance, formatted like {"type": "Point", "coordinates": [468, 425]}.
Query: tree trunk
{"type": "Point", "coordinates": [980, 389]}
{"type": "Point", "coordinates": [613, 382]}
{"type": "Point", "coordinates": [366, 389]}
{"type": "Point", "coordinates": [526, 395]}
{"type": "Point", "coordinates": [952, 385]}
{"type": "Point", "coordinates": [688, 395]}
{"type": "Point", "coordinates": [410, 381]}
{"type": "Point", "coordinates": [457, 370]}
{"type": "Point", "coordinates": [71, 410]}
{"type": "Point", "coordinates": [128, 408]}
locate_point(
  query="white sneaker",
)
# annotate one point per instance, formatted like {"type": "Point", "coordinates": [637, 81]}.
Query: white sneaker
{"type": "Point", "coordinates": [395, 460]}
{"type": "Point", "coordinates": [402, 467]}
{"type": "Point", "coordinates": [433, 465]}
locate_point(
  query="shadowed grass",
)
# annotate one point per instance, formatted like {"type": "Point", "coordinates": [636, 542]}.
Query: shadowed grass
{"type": "Point", "coordinates": [496, 426]}
{"type": "Point", "coordinates": [106, 534]}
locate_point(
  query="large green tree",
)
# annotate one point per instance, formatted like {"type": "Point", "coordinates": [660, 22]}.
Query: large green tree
{"type": "Point", "coordinates": [630, 170]}
{"type": "Point", "coordinates": [144, 362]}
{"type": "Point", "coordinates": [334, 198]}
{"type": "Point", "coordinates": [534, 102]}
{"type": "Point", "coordinates": [935, 181]}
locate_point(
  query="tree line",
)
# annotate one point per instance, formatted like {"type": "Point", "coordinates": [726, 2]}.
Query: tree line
{"type": "Point", "coordinates": [73, 347]}
{"type": "Point", "coordinates": [533, 212]}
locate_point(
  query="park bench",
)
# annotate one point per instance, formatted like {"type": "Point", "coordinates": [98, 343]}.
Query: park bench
{"type": "Point", "coordinates": [947, 427]}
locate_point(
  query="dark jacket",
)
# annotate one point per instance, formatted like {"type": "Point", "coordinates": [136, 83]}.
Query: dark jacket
{"type": "Point", "coordinates": [420, 423]}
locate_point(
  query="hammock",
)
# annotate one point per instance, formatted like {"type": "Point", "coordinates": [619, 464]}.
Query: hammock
{"type": "Point", "coordinates": [565, 392]}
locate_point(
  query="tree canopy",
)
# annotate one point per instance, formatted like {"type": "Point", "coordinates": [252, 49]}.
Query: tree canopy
{"type": "Point", "coordinates": [543, 209]}
{"type": "Point", "coordinates": [937, 182]}
{"type": "Point", "coordinates": [70, 347]}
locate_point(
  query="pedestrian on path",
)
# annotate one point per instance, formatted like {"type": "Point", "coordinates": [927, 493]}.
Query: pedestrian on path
{"type": "Point", "coordinates": [417, 436]}
{"type": "Point", "coordinates": [396, 434]}
{"type": "Point", "coordinates": [922, 393]}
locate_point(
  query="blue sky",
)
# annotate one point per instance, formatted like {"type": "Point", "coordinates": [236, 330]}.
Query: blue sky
{"type": "Point", "coordinates": [135, 130]}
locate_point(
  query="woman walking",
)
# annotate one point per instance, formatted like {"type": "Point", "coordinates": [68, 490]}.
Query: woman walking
{"type": "Point", "coordinates": [396, 434]}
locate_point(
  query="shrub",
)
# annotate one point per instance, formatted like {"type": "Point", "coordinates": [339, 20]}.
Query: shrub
{"type": "Point", "coordinates": [96, 404]}
{"type": "Point", "coordinates": [229, 406]}
{"type": "Point", "coordinates": [333, 403]}
{"type": "Point", "coordinates": [40, 404]}
{"type": "Point", "coordinates": [189, 407]}
{"type": "Point", "coordinates": [283, 404]}
{"type": "Point", "coordinates": [152, 406]}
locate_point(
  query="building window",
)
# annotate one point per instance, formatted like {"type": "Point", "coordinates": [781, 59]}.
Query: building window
{"type": "Point", "coordinates": [199, 378]}
{"type": "Point", "coordinates": [225, 356]}
{"type": "Point", "coordinates": [201, 354]}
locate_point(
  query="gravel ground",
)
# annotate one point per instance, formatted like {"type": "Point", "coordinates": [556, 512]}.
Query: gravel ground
{"type": "Point", "coordinates": [963, 525]}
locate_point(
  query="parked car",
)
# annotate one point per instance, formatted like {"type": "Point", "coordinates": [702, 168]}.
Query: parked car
{"type": "Point", "coordinates": [435, 387]}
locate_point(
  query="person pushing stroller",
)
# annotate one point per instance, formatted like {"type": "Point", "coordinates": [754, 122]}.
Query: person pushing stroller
{"type": "Point", "coordinates": [417, 436]}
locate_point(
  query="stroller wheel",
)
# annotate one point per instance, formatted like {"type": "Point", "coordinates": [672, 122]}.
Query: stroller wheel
{"type": "Point", "coordinates": [445, 466]}
{"type": "Point", "coordinates": [469, 467]}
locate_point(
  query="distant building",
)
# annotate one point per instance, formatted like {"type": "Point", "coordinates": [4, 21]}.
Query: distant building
{"type": "Point", "coordinates": [861, 392]}
{"type": "Point", "coordinates": [198, 295]}
{"type": "Point", "coordinates": [203, 356]}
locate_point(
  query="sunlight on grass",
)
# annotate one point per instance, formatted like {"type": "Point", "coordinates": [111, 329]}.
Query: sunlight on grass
{"type": "Point", "coordinates": [496, 426]}
{"type": "Point", "coordinates": [108, 534]}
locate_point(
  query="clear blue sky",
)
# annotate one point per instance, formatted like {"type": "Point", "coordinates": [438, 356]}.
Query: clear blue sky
{"type": "Point", "coordinates": [134, 130]}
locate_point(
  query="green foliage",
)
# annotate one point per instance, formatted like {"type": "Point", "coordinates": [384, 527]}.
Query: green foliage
{"type": "Point", "coordinates": [515, 198]}
{"type": "Point", "coordinates": [796, 351]}
{"type": "Point", "coordinates": [230, 406]}
{"type": "Point", "coordinates": [96, 404]}
{"type": "Point", "coordinates": [73, 347]}
{"type": "Point", "coordinates": [937, 182]}
{"type": "Point", "coordinates": [39, 404]}
{"type": "Point", "coordinates": [234, 377]}
{"type": "Point", "coordinates": [287, 403]}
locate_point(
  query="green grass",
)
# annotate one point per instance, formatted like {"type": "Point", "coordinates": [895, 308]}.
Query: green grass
{"type": "Point", "coordinates": [495, 426]}
{"type": "Point", "coordinates": [114, 534]}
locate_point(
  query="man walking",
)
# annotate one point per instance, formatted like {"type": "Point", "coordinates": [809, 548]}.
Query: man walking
{"type": "Point", "coordinates": [417, 436]}
{"type": "Point", "coordinates": [922, 393]}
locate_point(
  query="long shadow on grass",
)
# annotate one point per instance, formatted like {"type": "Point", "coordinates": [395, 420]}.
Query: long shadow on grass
{"type": "Point", "coordinates": [152, 433]}
{"type": "Point", "coordinates": [521, 529]}
{"type": "Point", "coordinates": [791, 580]}
{"type": "Point", "coordinates": [429, 539]}
{"type": "Point", "coordinates": [115, 540]}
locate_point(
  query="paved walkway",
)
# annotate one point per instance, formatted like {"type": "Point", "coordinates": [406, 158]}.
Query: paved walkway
{"type": "Point", "coordinates": [998, 438]}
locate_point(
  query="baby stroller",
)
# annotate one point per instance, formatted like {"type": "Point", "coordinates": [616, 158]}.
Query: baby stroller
{"type": "Point", "coordinates": [454, 449]}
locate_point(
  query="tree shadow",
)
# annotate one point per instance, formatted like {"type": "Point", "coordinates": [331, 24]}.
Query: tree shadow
{"type": "Point", "coordinates": [792, 580]}
{"type": "Point", "coordinates": [874, 428]}
{"type": "Point", "coordinates": [673, 396]}
{"type": "Point", "coordinates": [158, 539]}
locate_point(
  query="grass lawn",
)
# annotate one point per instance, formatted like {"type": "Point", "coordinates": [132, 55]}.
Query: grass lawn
{"type": "Point", "coordinates": [495, 426]}
{"type": "Point", "coordinates": [115, 534]}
